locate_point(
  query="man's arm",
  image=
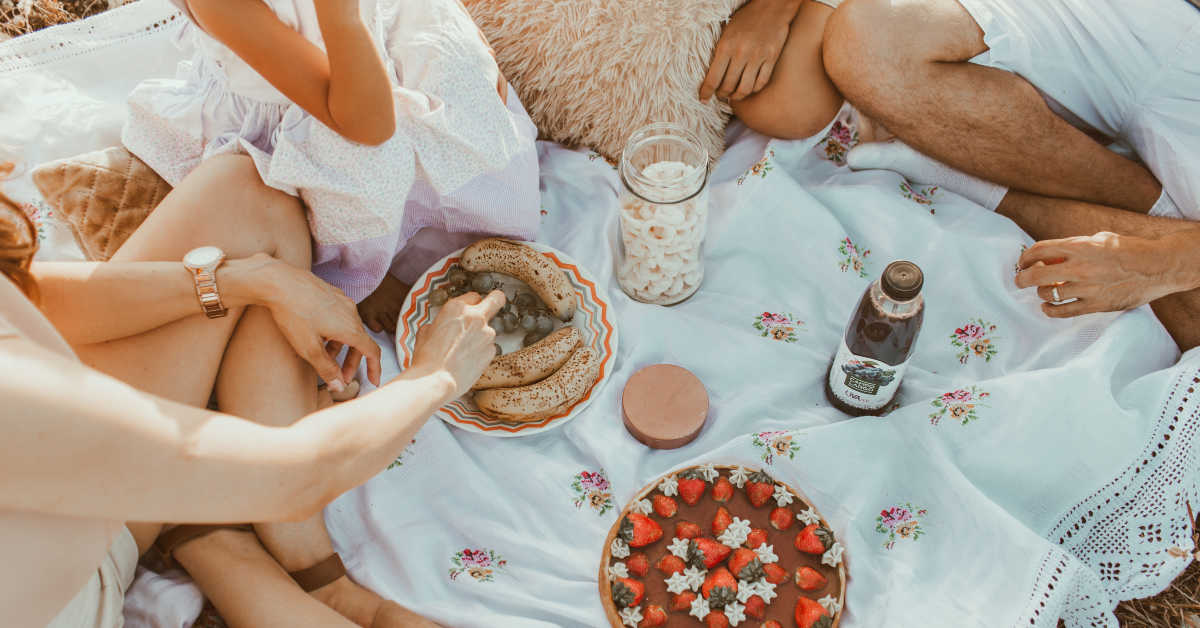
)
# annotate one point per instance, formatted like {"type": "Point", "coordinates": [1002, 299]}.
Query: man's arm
{"type": "Point", "coordinates": [1107, 258]}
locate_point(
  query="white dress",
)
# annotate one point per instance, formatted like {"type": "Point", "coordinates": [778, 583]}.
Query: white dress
{"type": "Point", "coordinates": [461, 161]}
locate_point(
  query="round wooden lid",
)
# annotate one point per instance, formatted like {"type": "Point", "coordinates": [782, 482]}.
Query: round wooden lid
{"type": "Point", "coordinates": [664, 406]}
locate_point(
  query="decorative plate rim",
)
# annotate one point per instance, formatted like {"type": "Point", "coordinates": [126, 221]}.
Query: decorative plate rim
{"type": "Point", "coordinates": [455, 412]}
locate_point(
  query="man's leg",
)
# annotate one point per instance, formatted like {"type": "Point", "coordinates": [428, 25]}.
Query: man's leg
{"type": "Point", "coordinates": [904, 63]}
{"type": "Point", "coordinates": [1050, 219]}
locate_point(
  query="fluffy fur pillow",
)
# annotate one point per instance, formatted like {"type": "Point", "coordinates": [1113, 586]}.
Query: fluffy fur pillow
{"type": "Point", "coordinates": [590, 72]}
{"type": "Point", "coordinates": [104, 197]}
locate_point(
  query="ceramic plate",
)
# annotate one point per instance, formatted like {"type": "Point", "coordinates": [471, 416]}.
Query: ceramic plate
{"type": "Point", "coordinates": [593, 318]}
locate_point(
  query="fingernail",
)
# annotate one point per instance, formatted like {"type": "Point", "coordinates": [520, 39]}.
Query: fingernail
{"type": "Point", "coordinates": [336, 385]}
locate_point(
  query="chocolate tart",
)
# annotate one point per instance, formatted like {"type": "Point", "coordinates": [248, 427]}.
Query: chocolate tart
{"type": "Point", "coordinates": [782, 542]}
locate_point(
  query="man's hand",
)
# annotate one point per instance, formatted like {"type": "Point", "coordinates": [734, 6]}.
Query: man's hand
{"type": "Point", "coordinates": [750, 45]}
{"type": "Point", "coordinates": [1106, 272]}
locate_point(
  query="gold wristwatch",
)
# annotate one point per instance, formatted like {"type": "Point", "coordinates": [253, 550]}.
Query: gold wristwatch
{"type": "Point", "coordinates": [203, 263]}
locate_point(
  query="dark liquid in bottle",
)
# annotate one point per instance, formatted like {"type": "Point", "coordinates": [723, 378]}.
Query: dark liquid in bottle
{"type": "Point", "coordinates": [881, 330]}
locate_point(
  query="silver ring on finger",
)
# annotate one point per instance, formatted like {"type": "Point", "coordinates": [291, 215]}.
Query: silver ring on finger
{"type": "Point", "coordinates": [1054, 293]}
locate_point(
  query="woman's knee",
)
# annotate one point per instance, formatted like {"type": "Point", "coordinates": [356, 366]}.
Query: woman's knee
{"type": "Point", "coordinates": [784, 116]}
{"type": "Point", "coordinates": [238, 197]}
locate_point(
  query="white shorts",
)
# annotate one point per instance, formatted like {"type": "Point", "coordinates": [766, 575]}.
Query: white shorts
{"type": "Point", "coordinates": [101, 601]}
{"type": "Point", "coordinates": [1128, 68]}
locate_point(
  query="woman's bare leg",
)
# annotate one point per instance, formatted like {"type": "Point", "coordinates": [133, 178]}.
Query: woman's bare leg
{"type": "Point", "coordinates": [248, 588]}
{"type": "Point", "coordinates": [253, 367]}
{"type": "Point", "coordinates": [800, 99]}
{"type": "Point", "coordinates": [223, 203]}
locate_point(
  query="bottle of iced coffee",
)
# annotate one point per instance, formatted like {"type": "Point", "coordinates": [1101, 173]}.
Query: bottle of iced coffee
{"type": "Point", "coordinates": [874, 353]}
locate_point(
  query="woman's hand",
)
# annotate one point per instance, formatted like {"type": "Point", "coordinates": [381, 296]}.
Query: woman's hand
{"type": "Point", "coordinates": [1106, 272]}
{"type": "Point", "coordinates": [750, 45]}
{"type": "Point", "coordinates": [316, 318]}
{"type": "Point", "coordinates": [459, 341]}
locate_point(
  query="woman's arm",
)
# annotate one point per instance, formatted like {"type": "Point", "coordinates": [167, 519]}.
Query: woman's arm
{"type": "Point", "coordinates": [79, 443]}
{"type": "Point", "coordinates": [91, 302]}
{"type": "Point", "coordinates": [346, 86]}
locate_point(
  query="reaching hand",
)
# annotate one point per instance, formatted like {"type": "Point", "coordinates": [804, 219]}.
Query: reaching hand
{"type": "Point", "coordinates": [459, 341]}
{"type": "Point", "coordinates": [750, 45]}
{"type": "Point", "coordinates": [318, 320]}
{"type": "Point", "coordinates": [1105, 273]}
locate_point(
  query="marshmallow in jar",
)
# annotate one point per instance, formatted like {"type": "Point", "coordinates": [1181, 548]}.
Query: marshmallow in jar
{"type": "Point", "coordinates": [664, 214]}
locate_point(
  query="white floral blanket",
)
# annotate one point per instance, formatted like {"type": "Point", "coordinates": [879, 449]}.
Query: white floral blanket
{"type": "Point", "coordinates": [1036, 469]}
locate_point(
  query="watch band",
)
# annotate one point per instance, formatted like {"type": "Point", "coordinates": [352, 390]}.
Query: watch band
{"type": "Point", "coordinates": [206, 291]}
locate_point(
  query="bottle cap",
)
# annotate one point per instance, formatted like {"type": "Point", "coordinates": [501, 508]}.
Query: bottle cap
{"type": "Point", "coordinates": [664, 406]}
{"type": "Point", "coordinates": [902, 281]}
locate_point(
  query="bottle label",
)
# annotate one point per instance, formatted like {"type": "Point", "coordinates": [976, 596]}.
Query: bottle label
{"type": "Point", "coordinates": [862, 382]}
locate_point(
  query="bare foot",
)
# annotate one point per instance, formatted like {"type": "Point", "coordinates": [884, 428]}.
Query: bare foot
{"type": "Point", "coordinates": [367, 609]}
{"type": "Point", "coordinates": [381, 309]}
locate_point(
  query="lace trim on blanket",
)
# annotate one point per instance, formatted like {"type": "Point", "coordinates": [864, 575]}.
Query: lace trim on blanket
{"type": "Point", "coordinates": [111, 28]}
{"type": "Point", "coordinates": [1132, 537]}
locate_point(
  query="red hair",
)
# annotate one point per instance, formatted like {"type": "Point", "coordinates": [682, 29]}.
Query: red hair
{"type": "Point", "coordinates": [18, 243]}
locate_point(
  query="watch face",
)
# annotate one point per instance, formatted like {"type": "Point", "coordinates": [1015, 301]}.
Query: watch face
{"type": "Point", "coordinates": [202, 257]}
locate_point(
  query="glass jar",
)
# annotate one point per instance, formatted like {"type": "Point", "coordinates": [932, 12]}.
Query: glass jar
{"type": "Point", "coordinates": [664, 214]}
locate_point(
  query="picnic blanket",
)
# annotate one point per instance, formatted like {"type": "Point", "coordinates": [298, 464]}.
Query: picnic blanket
{"type": "Point", "coordinates": [1048, 465]}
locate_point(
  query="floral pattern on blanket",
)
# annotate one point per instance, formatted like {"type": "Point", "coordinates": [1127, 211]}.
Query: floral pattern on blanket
{"type": "Point", "coordinates": [900, 522]}
{"type": "Point", "coordinates": [782, 327]}
{"type": "Point", "coordinates": [1017, 264]}
{"type": "Point", "coordinates": [592, 488]}
{"type": "Point", "coordinates": [921, 196]}
{"type": "Point", "coordinates": [777, 443]}
{"type": "Point", "coordinates": [480, 564]}
{"type": "Point", "coordinates": [759, 169]}
{"type": "Point", "coordinates": [399, 461]}
{"type": "Point", "coordinates": [842, 137]}
{"type": "Point", "coordinates": [40, 214]}
{"type": "Point", "coordinates": [975, 338]}
{"type": "Point", "coordinates": [853, 258]}
{"type": "Point", "coordinates": [960, 404]}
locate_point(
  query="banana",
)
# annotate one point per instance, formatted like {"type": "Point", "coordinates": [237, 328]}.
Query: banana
{"type": "Point", "coordinates": [533, 363]}
{"type": "Point", "coordinates": [528, 265]}
{"type": "Point", "coordinates": [549, 397]}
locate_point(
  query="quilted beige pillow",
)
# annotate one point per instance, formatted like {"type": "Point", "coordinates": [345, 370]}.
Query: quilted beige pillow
{"type": "Point", "coordinates": [104, 197]}
{"type": "Point", "coordinates": [590, 72]}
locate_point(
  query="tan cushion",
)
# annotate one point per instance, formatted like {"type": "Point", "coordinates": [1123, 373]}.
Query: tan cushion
{"type": "Point", "coordinates": [590, 72]}
{"type": "Point", "coordinates": [104, 196]}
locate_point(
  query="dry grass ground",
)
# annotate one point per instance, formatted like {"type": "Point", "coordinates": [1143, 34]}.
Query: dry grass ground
{"type": "Point", "coordinates": [1177, 607]}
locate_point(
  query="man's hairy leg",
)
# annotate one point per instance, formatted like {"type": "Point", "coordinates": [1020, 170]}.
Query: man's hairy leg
{"type": "Point", "coordinates": [1051, 219]}
{"type": "Point", "coordinates": [905, 64]}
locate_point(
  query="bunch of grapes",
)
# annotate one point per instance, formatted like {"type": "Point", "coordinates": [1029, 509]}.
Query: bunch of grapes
{"type": "Point", "coordinates": [525, 311]}
{"type": "Point", "coordinates": [869, 372]}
